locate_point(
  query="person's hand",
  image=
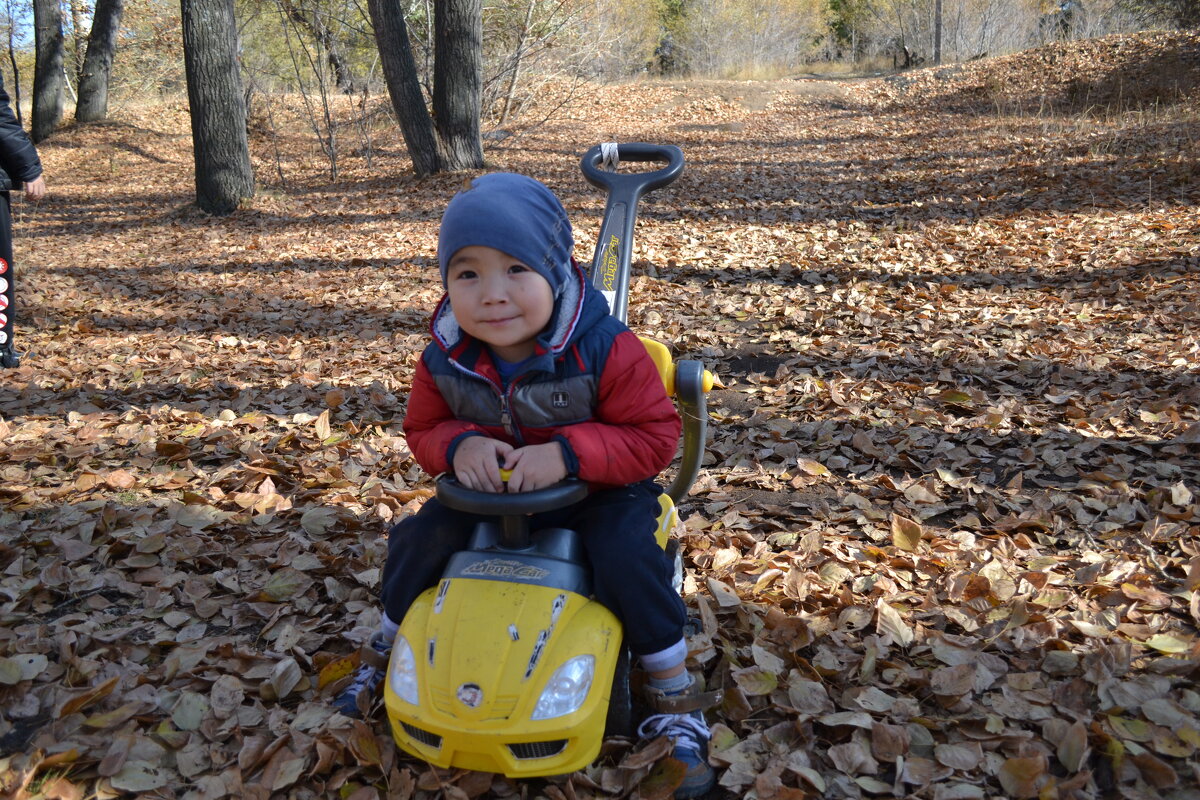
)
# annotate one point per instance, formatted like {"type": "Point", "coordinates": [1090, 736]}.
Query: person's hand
{"type": "Point", "coordinates": [535, 467]}
{"type": "Point", "coordinates": [477, 463]}
{"type": "Point", "coordinates": [35, 189]}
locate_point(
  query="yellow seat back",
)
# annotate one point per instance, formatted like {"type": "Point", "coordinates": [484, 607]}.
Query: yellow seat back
{"type": "Point", "coordinates": [661, 357]}
{"type": "Point", "coordinates": [668, 516]}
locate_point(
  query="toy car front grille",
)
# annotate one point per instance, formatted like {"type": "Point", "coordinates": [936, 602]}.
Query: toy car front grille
{"type": "Point", "coordinates": [424, 737]}
{"type": "Point", "coordinates": [527, 750]}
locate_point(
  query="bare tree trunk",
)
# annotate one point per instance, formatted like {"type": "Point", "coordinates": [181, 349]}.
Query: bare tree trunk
{"type": "Point", "coordinates": [518, 54]}
{"type": "Point", "coordinates": [428, 46]}
{"type": "Point", "coordinates": [310, 20]}
{"type": "Point", "coordinates": [224, 176]}
{"type": "Point", "coordinates": [78, 23]}
{"type": "Point", "coordinates": [458, 82]}
{"type": "Point", "coordinates": [67, 85]}
{"type": "Point", "coordinates": [97, 64]}
{"type": "Point", "coordinates": [324, 125]}
{"type": "Point", "coordinates": [12, 60]}
{"type": "Point", "coordinates": [404, 88]}
{"type": "Point", "coordinates": [1187, 13]}
{"type": "Point", "coordinates": [48, 68]}
{"type": "Point", "coordinates": [937, 32]}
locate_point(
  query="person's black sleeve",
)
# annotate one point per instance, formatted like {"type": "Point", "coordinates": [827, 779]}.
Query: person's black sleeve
{"type": "Point", "coordinates": [18, 156]}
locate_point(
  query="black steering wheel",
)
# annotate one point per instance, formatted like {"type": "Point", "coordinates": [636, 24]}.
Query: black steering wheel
{"type": "Point", "coordinates": [453, 494]}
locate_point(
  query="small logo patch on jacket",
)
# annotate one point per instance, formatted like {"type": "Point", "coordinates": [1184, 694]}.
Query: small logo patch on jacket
{"type": "Point", "coordinates": [560, 399]}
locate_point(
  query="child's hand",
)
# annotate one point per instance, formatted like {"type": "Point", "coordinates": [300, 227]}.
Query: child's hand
{"type": "Point", "coordinates": [477, 463]}
{"type": "Point", "coordinates": [535, 467]}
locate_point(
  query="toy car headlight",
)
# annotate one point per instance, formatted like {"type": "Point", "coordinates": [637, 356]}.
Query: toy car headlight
{"type": "Point", "coordinates": [402, 672]}
{"type": "Point", "coordinates": [567, 688]}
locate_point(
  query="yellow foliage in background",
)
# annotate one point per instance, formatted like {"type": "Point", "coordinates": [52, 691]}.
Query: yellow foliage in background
{"type": "Point", "coordinates": [751, 38]}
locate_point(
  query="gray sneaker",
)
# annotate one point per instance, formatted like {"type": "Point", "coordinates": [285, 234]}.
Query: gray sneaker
{"type": "Point", "coordinates": [355, 700]}
{"type": "Point", "coordinates": [689, 734]}
{"type": "Point", "coordinates": [681, 719]}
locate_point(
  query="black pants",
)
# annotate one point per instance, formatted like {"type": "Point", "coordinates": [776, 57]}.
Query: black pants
{"type": "Point", "coordinates": [630, 573]}
{"type": "Point", "coordinates": [8, 305]}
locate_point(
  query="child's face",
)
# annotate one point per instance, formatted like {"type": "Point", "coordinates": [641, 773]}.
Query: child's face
{"type": "Point", "coordinates": [499, 300]}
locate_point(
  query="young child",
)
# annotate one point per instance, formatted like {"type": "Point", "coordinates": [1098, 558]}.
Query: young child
{"type": "Point", "coordinates": [528, 371]}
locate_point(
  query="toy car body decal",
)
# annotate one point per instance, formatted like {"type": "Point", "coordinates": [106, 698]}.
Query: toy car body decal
{"type": "Point", "coordinates": [506, 569]}
{"type": "Point", "coordinates": [441, 597]}
{"type": "Point", "coordinates": [610, 262]}
{"type": "Point", "coordinates": [470, 695]}
{"type": "Point", "coordinates": [556, 609]}
{"type": "Point", "coordinates": [536, 655]}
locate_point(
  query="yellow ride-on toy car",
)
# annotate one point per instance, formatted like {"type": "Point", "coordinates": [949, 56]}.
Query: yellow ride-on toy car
{"type": "Point", "coordinates": [508, 665]}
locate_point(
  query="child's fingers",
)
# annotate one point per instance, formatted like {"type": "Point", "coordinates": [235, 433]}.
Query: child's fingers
{"type": "Point", "coordinates": [484, 481]}
{"type": "Point", "coordinates": [477, 463]}
{"type": "Point", "coordinates": [513, 457]}
{"type": "Point", "coordinates": [535, 467]}
{"type": "Point", "coordinates": [521, 479]}
{"type": "Point", "coordinates": [518, 481]}
{"type": "Point", "coordinates": [488, 476]}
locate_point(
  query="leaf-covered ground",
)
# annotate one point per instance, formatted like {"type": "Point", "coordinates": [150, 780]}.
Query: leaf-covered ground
{"type": "Point", "coordinates": [946, 544]}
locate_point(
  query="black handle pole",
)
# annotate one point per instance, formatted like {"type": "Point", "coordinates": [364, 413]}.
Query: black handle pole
{"type": "Point", "coordinates": [614, 247]}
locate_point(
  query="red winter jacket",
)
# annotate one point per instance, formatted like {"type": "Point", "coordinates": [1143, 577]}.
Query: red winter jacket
{"type": "Point", "coordinates": [591, 387]}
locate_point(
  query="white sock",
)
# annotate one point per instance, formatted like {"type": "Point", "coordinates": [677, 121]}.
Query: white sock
{"type": "Point", "coordinates": [672, 685]}
{"type": "Point", "coordinates": [666, 658]}
{"type": "Point", "coordinates": [388, 628]}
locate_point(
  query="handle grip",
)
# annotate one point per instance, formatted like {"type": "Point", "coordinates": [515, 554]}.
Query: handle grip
{"type": "Point", "coordinates": [636, 183]}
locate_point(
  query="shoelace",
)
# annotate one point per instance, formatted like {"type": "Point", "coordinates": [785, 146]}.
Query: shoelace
{"type": "Point", "coordinates": [366, 679]}
{"type": "Point", "coordinates": [684, 729]}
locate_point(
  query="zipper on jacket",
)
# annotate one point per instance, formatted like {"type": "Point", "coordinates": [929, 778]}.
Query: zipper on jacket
{"type": "Point", "coordinates": [511, 426]}
{"type": "Point", "coordinates": [507, 417]}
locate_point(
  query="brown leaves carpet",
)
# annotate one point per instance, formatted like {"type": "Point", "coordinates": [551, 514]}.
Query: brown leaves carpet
{"type": "Point", "coordinates": [946, 543]}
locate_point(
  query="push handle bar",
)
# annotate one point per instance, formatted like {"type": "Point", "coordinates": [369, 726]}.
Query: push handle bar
{"type": "Point", "coordinates": [614, 247]}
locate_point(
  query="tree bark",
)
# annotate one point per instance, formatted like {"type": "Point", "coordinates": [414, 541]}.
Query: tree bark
{"type": "Point", "coordinates": [218, 108]}
{"type": "Point", "coordinates": [458, 81]}
{"type": "Point", "coordinates": [48, 68]}
{"type": "Point", "coordinates": [97, 64]}
{"type": "Point", "coordinates": [937, 32]}
{"type": "Point", "coordinates": [404, 88]}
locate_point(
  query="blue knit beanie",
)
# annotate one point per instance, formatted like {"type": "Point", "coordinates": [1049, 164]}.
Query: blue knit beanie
{"type": "Point", "coordinates": [516, 215]}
